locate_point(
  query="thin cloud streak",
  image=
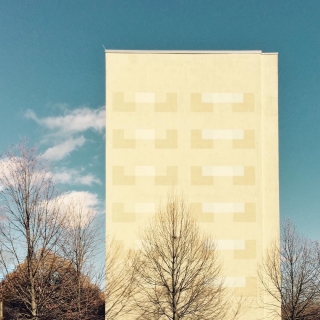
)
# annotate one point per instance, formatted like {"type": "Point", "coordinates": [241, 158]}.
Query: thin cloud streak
{"type": "Point", "coordinates": [87, 199]}
{"type": "Point", "coordinates": [63, 149]}
{"type": "Point", "coordinates": [73, 177]}
{"type": "Point", "coordinates": [79, 206]}
{"type": "Point", "coordinates": [66, 133]}
{"type": "Point", "coordinates": [73, 121]}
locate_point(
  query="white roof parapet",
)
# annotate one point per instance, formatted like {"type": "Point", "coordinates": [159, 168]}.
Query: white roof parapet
{"type": "Point", "coordinates": [188, 51]}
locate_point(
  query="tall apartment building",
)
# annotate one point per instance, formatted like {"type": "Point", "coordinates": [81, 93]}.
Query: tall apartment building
{"type": "Point", "coordinates": [206, 124]}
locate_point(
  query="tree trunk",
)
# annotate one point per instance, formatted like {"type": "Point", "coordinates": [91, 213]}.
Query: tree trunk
{"type": "Point", "coordinates": [79, 294]}
{"type": "Point", "coordinates": [33, 298]}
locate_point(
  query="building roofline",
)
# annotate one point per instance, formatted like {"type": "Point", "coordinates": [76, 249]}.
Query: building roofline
{"type": "Point", "coordinates": [190, 51]}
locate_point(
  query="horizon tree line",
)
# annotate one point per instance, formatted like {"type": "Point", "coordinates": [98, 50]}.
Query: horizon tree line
{"type": "Point", "coordinates": [46, 246]}
{"type": "Point", "coordinates": [48, 252]}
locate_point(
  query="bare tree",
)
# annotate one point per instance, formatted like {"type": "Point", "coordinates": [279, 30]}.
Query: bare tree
{"type": "Point", "coordinates": [290, 276]}
{"type": "Point", "coordinates": [120, 281]}
{"type": "Point", "coordinates": [80, 247]}
{"type": "Point", "coordinates": [30, 225]}
{"type": "Point", "coordinates": [178, 273]}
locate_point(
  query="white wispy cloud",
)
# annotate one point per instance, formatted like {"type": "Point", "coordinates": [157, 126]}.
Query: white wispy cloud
{"type": "Point", "coordinates": [74, 177]}
{"type": "Point", "coordinates": [61, 150]}
{"type": "Point", "coordinates": [63, 175]}
{"type": "Point", "coordinates": [73, 121]}
{"type": "Point", "coordinates": [78, 207]}
{"type": "Point", "coordinates": [65, 133]}
{"type": "Point", "coordinates": [87, 199]}
{"type": "Point", "coordinates": [63, 130]}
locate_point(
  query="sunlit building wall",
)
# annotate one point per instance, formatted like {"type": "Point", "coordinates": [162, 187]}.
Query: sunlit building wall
{"type": "Point", "coordinates": [204, 124]}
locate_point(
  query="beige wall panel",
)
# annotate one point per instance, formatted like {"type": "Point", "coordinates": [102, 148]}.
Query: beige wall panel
{"type": "Point", "coordinates": [203, 214]}
{"type": "Point", "coordinates": [248, 142]}
{"type": "Point", "coordinates": [250, 251]}
{"type": "Point", "coordinates": [119, 140]}
{"type": "Point", "coordinates": [246, 106]}
{"type": "Point", "coordinates": [170, 105]}
{"type": "Point", "coordinates": [118, 214]}
{"type": "Point", "coordinates": [198, 106]}
{"type": "Point", "coordinates": [120, 105]}
{"type": "Point", "coordinates": [199, 215]}
{"type": "Point", "coordinates": [170, 142]}
{"type": "Point", "coordinates": [119, 177]}
{"type": "Point", "coordinates": [198, 179]}
{"type": "Point", "coordinates": [248, 178]}
{"type": "Point", "coordinates": [250, 288]}
{"type": "Point", "coordinates": [249, 214]}
{"type": "Point", "coordinates": [198, 143]}
{"type": "Point", "coordinates": [170, 178]}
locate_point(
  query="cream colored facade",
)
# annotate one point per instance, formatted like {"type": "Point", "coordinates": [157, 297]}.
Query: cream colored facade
{"type": "Point", "coordinates": [205, 124]}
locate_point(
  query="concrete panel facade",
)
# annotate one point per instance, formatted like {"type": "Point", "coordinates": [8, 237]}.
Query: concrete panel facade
{"type": "Point", "coordinates": [206, 125]}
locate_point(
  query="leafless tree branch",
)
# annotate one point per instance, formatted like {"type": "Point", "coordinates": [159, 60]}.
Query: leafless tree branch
{"type": "Point", "coordinates": [290, 276]}
{"type": "Point", "coordinates": [178, 273]}
{"type": "Point", "coordinates": [30, 226]}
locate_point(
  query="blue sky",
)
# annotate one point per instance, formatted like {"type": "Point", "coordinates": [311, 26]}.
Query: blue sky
{"type": "Point", "coordinates": [52, 78]}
